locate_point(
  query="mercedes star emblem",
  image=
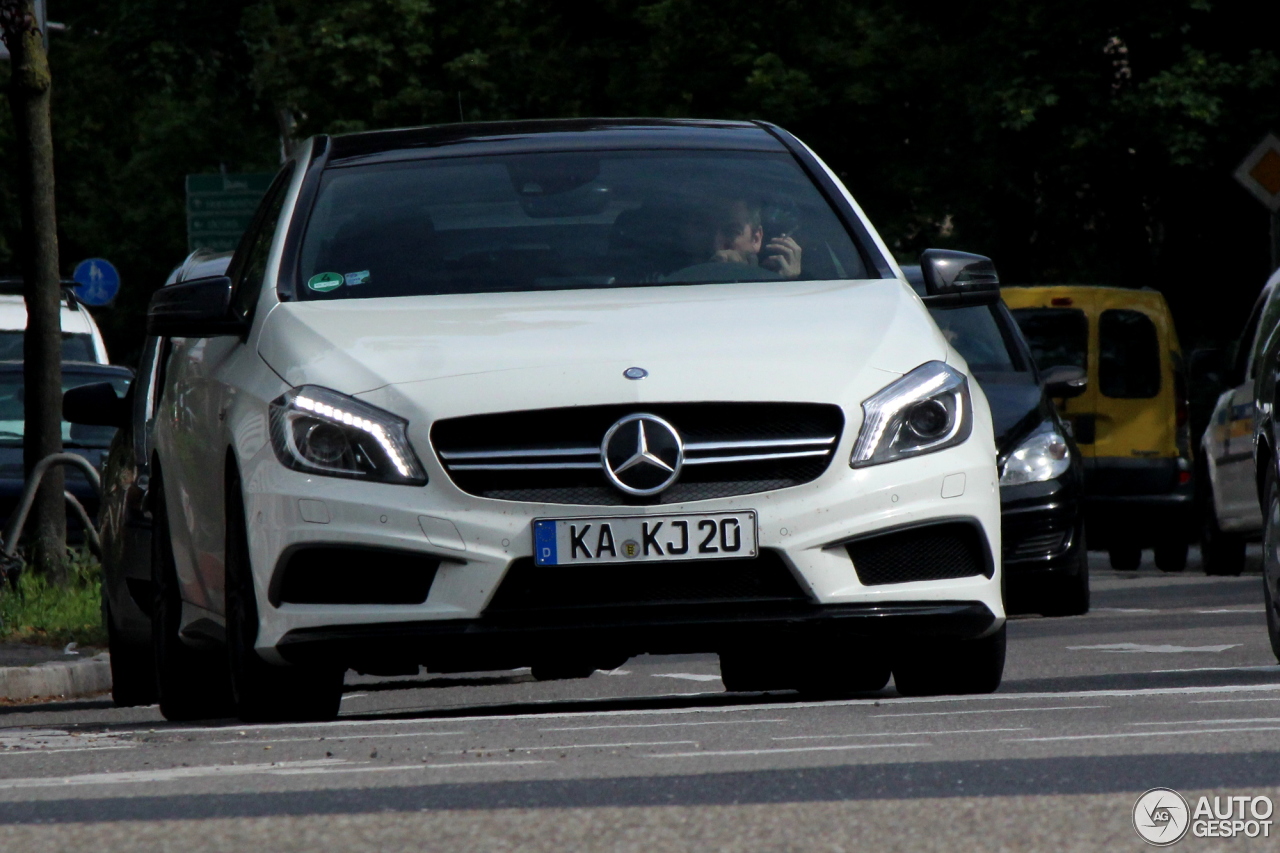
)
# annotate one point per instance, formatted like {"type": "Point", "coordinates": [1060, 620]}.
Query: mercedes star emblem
{"type": "Point", "coordinates": [642, 454]}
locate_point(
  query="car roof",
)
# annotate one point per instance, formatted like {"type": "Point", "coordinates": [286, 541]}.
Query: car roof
{"type": "Point", "coordinates": [456, 140]}
{"type": "Point", "coordinates": [13, 316]}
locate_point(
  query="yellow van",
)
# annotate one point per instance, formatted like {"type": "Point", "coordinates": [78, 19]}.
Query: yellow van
{"type": "Point", "coordinates": [1131, 421]}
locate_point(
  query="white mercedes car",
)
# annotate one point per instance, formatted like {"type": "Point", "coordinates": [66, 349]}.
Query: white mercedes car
{"type": "Point", "coordinates": [554, 394]}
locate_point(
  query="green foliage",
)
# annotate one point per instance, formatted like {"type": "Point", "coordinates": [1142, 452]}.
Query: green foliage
{"type": "Point", "coordinates": [36, 612]}
{"type": "Point", "coordinates": [1086, 141]}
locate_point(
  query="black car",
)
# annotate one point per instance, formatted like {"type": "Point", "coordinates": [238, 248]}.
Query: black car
{"type": "Point", "coordinates": [1046, 567]}
{"type": "Point", "coordinates": [91, 442]}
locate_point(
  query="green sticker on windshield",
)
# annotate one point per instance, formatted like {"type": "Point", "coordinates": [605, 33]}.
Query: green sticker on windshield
{"type": "Point", "coordinates": [325, 281]}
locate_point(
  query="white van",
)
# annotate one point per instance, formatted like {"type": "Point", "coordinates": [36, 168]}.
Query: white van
{"type": "Point", "coordinates": [81, 340]}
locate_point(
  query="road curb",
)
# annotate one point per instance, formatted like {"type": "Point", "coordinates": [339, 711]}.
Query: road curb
{"type": "Point", "coordinates": [56, 680]}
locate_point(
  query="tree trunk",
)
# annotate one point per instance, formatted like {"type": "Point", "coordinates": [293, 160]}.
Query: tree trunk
{"type": "Point", "coordinates": [29, 95]}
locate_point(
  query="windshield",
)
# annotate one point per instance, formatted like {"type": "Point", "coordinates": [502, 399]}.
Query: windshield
{"type": "Point", "coordinates": [976, 334]}
{"type": "Point", "coordinates": [13, 412]}
{"type": "Point", "coordinates": [560, 221]}
{"type": "Point", "coordinates": [76, 346]}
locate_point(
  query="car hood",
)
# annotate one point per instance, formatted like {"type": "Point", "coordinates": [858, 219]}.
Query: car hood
{"type": "Point", "coordinates": [471, 353]}
{"type": "Point", "coordinates": [1017, 406]}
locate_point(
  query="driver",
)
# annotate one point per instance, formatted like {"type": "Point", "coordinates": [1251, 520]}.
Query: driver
{"type": "Point", "coordinates": [739, 235]}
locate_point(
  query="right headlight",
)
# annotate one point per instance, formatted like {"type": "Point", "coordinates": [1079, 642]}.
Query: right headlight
{"type": "Point", "coordinates": [928, 409]}
{"type": "Point", "coordinates": [1041, 456]}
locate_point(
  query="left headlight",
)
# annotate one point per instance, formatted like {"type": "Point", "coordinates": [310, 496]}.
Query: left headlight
{"type": "Point", "coordinates": [1041, 456]}
{"type": "Point", "coordinates": [323, 432]}
{"type": "Point", "coordinates": [928, 409]}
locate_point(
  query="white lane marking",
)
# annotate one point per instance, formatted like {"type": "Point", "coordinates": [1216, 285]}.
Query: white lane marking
{"type": "Point", "coordinates": [904, 734]}
{"type": "Point", "coordinates": [1265, 668]}
{"type": "Point", "coordinates": [1234, 610]}
{"type": "Point", "coordinates": [59, 740]}
{"type": "Point", "coordinates": [1207, 722]}
{"type": "Point", "coordinates": [840, 748]}
{"type": "Point", "coordinates": [1144, 734]}
{"type": "Point", "coordinates": [991, 711]}
{"type": "Point", "coordinates": [1131, 648]}
{"type": "Point", "coordinates": [346, 696]}
{"type": "Point", "coordinates": [1221, 701]}
{"type": "Point", "coordinates": [661, 725]}
{"type": "Point", "coordinates": [32, 750]}
{"type": "Point", "coordinates": [169, 774]}
{"type": "Point", "coordinates": [1123, 610]}
{"type": "Point", "coordinates": [393, 768]}
{"type": "Point", "coordinates": [618, 671]}
{"type": "Point", "coordinates": [1139, 692]}
{"type": "Point", "coordinates": [687, 676]}
{"type": "Point", "coordinates": [583, 746]}
{"type": "Point", "coordinates": [332, 738]}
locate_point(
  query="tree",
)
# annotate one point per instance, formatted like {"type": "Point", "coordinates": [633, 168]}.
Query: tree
{"type": "Point", "coordinates": [29, 94]}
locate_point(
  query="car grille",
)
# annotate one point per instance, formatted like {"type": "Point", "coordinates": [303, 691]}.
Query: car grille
{"type": "Point", "coordinates": [553, 455]}
{"type": "Point", "coordinates": [529, 588]}
{"type": "Point", "coordinates": [930, 553]}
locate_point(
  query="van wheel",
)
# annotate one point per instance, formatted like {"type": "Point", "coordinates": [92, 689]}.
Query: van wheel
{"type": "Point", "coordinates": [967, 666]}
{"type": "Point", "coordinates": [1125, 558]}
{"type": "Point", "coordinates": [191, 684]}
{"type": "Point", "coordinates": [1221, 553]}
{"type": "Point", "coordinates": [263, 692]}
{"type": "Point", "coordinates": [1171, 556]}
{"type": "Point", "coordinates": [133, 668]}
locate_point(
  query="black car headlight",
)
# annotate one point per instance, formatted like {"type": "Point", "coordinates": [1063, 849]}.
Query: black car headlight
{"type": "Point", "coordinates": [1041, 456]}
{"type": "Point", "coordinates": [323, 432]}
{"type": "Point", "coordinates": [928, 409]}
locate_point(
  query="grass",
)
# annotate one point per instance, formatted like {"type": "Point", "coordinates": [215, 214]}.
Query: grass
{"type": "Point", "coordinates": [37, 612]}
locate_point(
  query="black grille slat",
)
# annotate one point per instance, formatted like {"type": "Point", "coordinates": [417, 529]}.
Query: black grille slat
{"type": "Point", "coordinates": [456, 440]}
{"type": "Point", "coordinates": [934, 552]}
{"type": "Point", "coordinates": [1038, 536]}
{"type": "Point", "coordinates": [530, 588]}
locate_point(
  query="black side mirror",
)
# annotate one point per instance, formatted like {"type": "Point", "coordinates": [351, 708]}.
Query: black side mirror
{"type": "Point", "coordinates": [958, 278]}
{"type": "Point", "coordinates": [1065, 381]}
{"type": "Point", "coordinates": [200, 308]}
{"type": "Point", "coordinates": [95, 405]}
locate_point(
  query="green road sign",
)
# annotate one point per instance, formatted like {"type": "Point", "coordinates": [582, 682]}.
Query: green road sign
{"type": "Point", "coordinates": [220, 207]}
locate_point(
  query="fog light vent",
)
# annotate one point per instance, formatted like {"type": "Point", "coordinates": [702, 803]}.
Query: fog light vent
{"type": "Point", "coordinates": [344, 575]}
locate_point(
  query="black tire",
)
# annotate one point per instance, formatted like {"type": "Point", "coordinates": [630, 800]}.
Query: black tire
{"type": "Point", "coordinates": [863, 677]}
{"type": "Point", "coordinates": [748, 670]}
{"type": "Point", "coordinates": [1271, 561]}
{"type": "Point", "coordinates": [953, 667]}
{"type": "Point", "coordinates": [133, 668]}
{"type": "Point", "coordinates": [1221, 553]}
{"type": "Point", "coordinates": [191, 684]}
{"type": "Point", "coordinates": [263, 692]}
{"type": "Point", "coordinates": [1068, 595]}
{"type": "Point", "coordinates": [1171, 556]}
{"type": "Point", "coordinates": [1125, 558]}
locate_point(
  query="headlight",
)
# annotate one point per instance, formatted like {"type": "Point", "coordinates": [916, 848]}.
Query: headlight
{"type": "Point", "coordinates": [1042, 456]}
{"type": "Point", "coordinates": [926, 410]}
{"type": "Point", "coordinates": [323, 432]}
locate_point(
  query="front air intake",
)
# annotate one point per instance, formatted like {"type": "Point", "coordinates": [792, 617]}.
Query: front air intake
{"type": "Point", "coordinates": [333, 574]}
{"type": "Point", "coordinates": [955, 549]}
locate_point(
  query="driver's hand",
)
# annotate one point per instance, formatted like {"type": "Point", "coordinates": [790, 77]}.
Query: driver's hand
{"type": "Point", "coordinates": [782, 255]}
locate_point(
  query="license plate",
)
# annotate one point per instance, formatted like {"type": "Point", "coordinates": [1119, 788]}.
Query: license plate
{"type": "Point", "coordinates": [644, 539]}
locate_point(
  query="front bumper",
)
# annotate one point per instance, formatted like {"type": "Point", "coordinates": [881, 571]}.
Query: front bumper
{"type": "Point", "coordinates": [472, 543]}
{"type": "Point", "coordinates": [1043, 529]}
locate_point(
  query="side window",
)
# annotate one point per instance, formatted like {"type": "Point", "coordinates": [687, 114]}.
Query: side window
{"type": "Point", "coordinates": [1058, 336]}
{"type": "Point", "coordinates": [143, 392]}
{"type": "Point", "coordinates": [1266, 328]}
{"type": "Point", "coordinates": [1128, 355]}
{"type": "Point", "coordinates": [255, 246]}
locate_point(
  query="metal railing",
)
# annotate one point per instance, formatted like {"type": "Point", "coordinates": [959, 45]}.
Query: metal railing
{"type": "Point", "coordinates": [9, 543]}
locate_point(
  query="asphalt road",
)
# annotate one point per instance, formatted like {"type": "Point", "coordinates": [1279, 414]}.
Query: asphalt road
{"type": "Point", "coordinates": [1169, 681]}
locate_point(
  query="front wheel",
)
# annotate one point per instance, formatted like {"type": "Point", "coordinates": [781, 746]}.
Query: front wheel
{"type": "Point", "coordinates": [1221, 553]}
{"type": "Point", "coordinates": [966, 666]}
{"type": "Point", "coordinates": [1271, 562]}
{"type": "Point", "coordinates": [266, 693]}
{"type": "Point", "coordinates": [1068, 595]}
{"type": "Point", "coordinates": [133, 668]}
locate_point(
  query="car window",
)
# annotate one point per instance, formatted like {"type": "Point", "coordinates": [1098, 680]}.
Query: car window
{"type": "Point", "coordinates": [976, 334]}
{"type": "Point", "coordinates": [13, 409]}
{"type": "Point", "coordinates": [1128, 355]}
{"type": "Point", "coordinates": [560, 221]}
{"type": "Point", "coordinates": [76, 346]}
{"type": "Point", "coordinates": [246, 275]}
{"type": "Point", "coordinates": [1058, 336]}
{"type": "Point", "coordinates": [1265, 329]}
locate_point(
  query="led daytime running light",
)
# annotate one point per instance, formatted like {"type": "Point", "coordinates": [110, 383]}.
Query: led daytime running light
{"type": "Point", "coordinates": [347, 418]}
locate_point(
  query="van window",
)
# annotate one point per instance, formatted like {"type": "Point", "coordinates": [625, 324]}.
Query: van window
{"type": "Point", "coordinates": [1128, 355]}
{"type": "Point", "coordinates": [1058, 336]}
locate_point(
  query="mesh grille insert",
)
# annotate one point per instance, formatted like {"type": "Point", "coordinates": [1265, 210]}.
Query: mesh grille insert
{"type": "Point", "coordinates": [528, 587]}
{"type": "Point", "coordinates": [934, 552]}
